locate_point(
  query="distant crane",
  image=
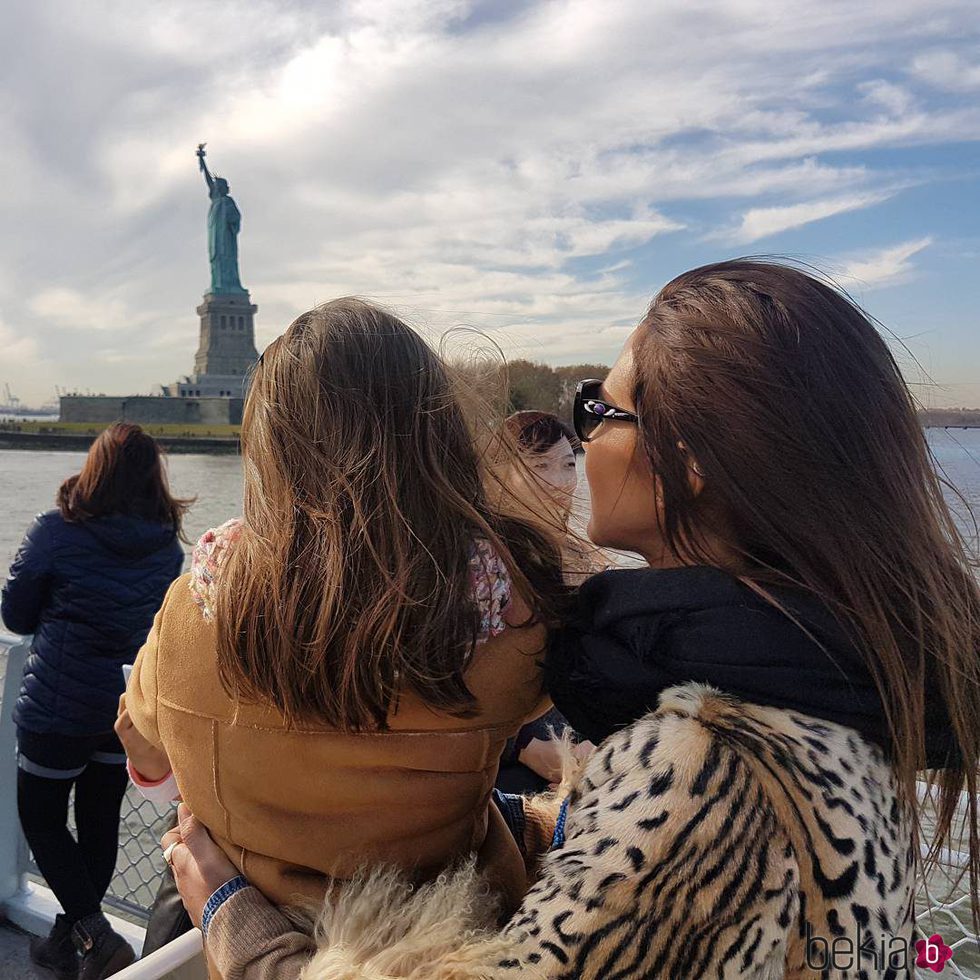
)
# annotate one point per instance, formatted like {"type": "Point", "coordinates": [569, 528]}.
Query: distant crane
{"type": "Point", "coordinates": [13, 402]}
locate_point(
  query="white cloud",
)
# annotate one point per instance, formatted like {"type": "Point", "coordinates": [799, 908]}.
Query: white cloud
{"type": "Point", "coordinates": [463, 158]}
{"type": "Point", "coordinates": [948, 70]}
{"type": "Point", "coordinates": [894, 99]}
{"type": "Point", "coordinates": [884, 267]}
{"type": "Point", "coordinates": [17, 351]}
{"type": "Point", "coordinates": [77, 310]}
{"type": "Point", "coordinates": [759, 223]}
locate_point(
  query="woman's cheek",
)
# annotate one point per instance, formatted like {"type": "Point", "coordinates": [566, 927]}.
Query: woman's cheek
{"type": "Point", "coordinates": [567, 480]}
{"type": "Point", "coordinates": [596, 478]}
{"type": "Point", "coordinates": [622, 491]}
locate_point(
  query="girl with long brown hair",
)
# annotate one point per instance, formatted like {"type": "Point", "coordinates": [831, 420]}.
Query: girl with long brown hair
{"type": "Point", "coordinates": [335, 680]}
{"type": "Point", "coordinates": [86, 582]}
{"type": "Point", "coordinates": [800, 656]}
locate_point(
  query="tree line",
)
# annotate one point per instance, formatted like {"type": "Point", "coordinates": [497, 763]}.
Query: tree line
{"type": "Point", "coordinates": [545, 388]}
{"type": "Point", "coordinates": [531, 385]}
{"type": "Point", "coordinates": [950, 417]}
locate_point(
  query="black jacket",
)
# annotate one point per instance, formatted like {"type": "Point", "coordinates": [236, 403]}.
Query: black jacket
{"type": "Point", "coordinates": [636, 632]}
{"type": "Point", "coordinates": [88, 592]}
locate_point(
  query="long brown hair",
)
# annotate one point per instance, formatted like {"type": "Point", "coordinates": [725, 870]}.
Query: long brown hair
{"type": "Point", "coordinates": [122, 474]}
{"type": "Point", "coordinates": [363, 494]}
{"type": "Point", "coordinates": [818, 476]}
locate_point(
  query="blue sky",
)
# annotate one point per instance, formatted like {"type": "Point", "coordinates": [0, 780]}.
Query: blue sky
{"type": "Point", "coordinates": [536, 170]}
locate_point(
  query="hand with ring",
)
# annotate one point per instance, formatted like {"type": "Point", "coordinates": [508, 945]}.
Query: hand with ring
{"type": "Point", "coordinates": [200, 867]}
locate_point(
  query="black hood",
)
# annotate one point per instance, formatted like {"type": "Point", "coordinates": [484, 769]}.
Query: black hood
{"type": "Point", "coordinates": [130, 536]}
{"type": "Point", "coordinates": [636, 632]}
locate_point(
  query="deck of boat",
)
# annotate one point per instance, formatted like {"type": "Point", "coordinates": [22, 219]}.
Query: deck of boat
{"type": "Point", "coordinates": [14, 961]}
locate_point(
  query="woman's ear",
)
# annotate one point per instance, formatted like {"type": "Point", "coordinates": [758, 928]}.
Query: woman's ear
{"type": "Point", "coordinates": [695, 476]}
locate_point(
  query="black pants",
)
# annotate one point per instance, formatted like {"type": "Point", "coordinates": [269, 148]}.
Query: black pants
{"type": "Point", "coordinates": [77, 871]}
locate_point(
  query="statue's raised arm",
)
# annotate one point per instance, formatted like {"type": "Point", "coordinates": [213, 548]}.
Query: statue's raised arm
{"type": "Point", "coordinates": [204, 166]}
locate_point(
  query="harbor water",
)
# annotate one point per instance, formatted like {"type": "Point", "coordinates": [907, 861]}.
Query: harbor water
{"type": "Point", "coordinates": [29, 480]}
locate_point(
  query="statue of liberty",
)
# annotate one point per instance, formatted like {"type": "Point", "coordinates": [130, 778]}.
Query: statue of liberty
{"type": "Point", "coordinates": [224, 223]}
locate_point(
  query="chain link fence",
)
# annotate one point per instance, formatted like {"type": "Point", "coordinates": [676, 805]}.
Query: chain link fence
{"type": "Point", "coordinates": [140, 863]}
{"type": "Point", "coordinates": [948, 915]}
{"type": "Point", "coordinates": [942, 902]}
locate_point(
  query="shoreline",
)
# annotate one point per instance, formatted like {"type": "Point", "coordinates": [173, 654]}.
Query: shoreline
{"type": "Point", "coordinates": [81, 441]}
{"type": "Point", "coordinates": [183, 444]}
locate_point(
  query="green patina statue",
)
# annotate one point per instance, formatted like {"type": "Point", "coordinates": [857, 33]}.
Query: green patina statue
{"type": "Point", "coordinates": [224, 223]}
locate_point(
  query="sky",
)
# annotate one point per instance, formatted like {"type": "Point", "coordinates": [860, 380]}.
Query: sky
{"type": "Point", "coordinates": [534, 170]}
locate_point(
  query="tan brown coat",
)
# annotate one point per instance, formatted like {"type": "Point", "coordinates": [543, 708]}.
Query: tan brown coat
{"type": "Point", "coordinates": [296, 808]}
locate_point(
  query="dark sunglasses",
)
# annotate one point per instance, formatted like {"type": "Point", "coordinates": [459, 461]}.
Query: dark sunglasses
{"type": "Point", "coordinates": [590, 411]}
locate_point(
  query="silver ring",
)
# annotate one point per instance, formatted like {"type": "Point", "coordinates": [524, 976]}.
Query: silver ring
{"type": "Point", "coordinates": [168, 852]}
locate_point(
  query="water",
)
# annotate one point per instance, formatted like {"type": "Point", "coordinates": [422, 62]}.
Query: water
{"type": "Point", "coordinates": [29, 480]}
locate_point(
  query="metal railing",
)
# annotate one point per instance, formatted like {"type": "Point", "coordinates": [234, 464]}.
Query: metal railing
{"type": "Point", "coordinates": [942, 906]}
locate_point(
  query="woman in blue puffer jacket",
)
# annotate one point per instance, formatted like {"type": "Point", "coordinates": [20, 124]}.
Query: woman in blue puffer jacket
{"type": "Point", "coordinates": [87, 581]}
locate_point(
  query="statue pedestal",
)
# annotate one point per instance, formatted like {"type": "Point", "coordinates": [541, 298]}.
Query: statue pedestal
{"type": "Point", "coordinates": [227, 345]}
{"type": "Point", "coordinates": [226, 352]}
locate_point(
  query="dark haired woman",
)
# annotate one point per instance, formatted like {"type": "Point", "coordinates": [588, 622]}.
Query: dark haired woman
{"type": "Point", "coordinates": [86, 582]}
{"type": "Point", "coordinates": [540, 472]}
{"type": "Point", "coordinates": [766, 693]}
{"type": "Point", "coordinates": [546, 448]}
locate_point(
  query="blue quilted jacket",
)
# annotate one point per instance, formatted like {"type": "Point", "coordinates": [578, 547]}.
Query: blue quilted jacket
{"type": "Point", "coordinates": [88, 592]}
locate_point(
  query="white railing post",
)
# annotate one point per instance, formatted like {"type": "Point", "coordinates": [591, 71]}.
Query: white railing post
{"type": "Point", "coordinates": [12, 849]}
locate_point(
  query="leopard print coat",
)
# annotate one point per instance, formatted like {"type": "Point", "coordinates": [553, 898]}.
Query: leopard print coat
{"type": "Point", "coordinates": [711, 838]}
{"type": "Point", "coordinates": [720, 839]}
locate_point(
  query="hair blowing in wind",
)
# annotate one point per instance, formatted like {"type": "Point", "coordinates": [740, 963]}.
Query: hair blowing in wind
{"type": "Point", "coordinates": [817, 476]}
{"type": "Point", "coordinates": [363, 493]}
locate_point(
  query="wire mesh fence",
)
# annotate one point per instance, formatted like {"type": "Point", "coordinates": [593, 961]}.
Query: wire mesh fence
{"type": "Point", "coordinates": [948, 915]}
{"type": "Point", "coordinates": [140, 863]}
{"type": "Point", "coordinates": [942, 905]}
{"type": "Point", "coordinates": [943, 908]}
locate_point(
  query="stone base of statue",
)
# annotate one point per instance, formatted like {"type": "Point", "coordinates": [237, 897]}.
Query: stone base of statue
{"type": "Point", "coordinates": [226, 351]}
{"type": "Point", "coordinates": [227, 344]}
{"type": "Point", "coordinates": [207, 386]}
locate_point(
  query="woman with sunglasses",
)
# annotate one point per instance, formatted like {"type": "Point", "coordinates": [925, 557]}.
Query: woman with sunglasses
{"type": "Point", "coordinates": [767, 692]}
